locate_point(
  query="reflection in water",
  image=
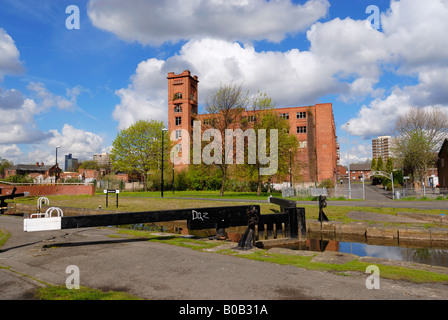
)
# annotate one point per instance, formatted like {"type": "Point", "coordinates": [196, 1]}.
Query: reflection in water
{"type": "Point", "coordinates": [430, 256]}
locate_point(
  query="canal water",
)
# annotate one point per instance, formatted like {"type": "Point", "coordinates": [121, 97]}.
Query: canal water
{"type": "Point", "coordinates": [410, 251]}
{"type": "Point", "coordinates": [416, 252]}
{"type": "Point", "coordinates": [430, 256]}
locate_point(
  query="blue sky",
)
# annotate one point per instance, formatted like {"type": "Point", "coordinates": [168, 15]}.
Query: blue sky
{"type": "Point", "coordinates": [76, 88]}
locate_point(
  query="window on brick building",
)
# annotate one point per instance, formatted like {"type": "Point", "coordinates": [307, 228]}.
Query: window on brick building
{"type": "Point", "coordinates": [178, 121]}
{"type": "Point", "coordinates": [284, 116]}
{"type": "Point", "coordinates": [178, 95]}
{"type": "Point", "coordinates": [301, 129]}
{"type": "Point", "coordinates": [178, 134]}
{"type": "Point", "coordinates": [301, 115]}
{"type": "Point", "coordinates": [178, 108]}
{"type": "Point", "coordinates": [251, 118]}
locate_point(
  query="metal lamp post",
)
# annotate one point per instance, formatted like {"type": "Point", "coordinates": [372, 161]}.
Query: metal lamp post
{"type": "Point", "coordinates": [161, 183]}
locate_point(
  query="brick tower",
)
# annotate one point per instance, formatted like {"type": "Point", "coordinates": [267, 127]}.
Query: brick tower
{"type": "Point", "coordinates": [182, 103]}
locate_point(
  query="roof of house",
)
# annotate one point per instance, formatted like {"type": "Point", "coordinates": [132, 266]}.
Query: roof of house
{"type": "Point", "coordinates": [30, 167]}
{"type": "Point", "coordinates": [360, 167]}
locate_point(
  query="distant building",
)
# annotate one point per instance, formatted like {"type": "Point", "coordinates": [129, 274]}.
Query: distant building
{"type": "Point", "coordinates": [313, 126]}
{"type": "Point", "coordinates": [39, 172]}
{"type": "Point", "coordinates": [103, 160]}
{"type": "Point", "coordinates": [358, 170]}
{"type": "Point", "coordinates": [70, 163]}
{"type": "Point", "coordinates": [382, 147]}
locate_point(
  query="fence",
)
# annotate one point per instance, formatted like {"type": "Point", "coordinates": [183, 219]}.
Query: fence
{"type": "Point", "coordinates": [410, 192]}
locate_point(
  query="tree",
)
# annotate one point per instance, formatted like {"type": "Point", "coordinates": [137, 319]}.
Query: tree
{"type": "Point", "coordinates": [89, 164]}
{"type": "Point", "coordinates": [420, 133]}
{"type": "Point", "coordinates": [287, 146]}
{"type": "Point", "coordinates": [139, 149]}
{"type": "Point", "coordinates": [224, 107]}
{"type": "Point", "coordinates": [3, 165]}
{"type": "Point", "coordinates": [373, 165]}
{"type": "Point", "coordinates": [262, 117]}
{"type": "Point", "coordinates": [389, 165]}
{"type": "Point", "coordinates": [380, 164]}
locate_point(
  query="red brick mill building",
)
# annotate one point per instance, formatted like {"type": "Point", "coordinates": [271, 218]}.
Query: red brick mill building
{"type": "Point", "coordinates": [313, 126]}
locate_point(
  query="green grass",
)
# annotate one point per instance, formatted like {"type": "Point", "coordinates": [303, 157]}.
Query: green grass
{"type": "Point", "coordinates": [130, 203]}
{"type": "Point", "coordinates": [83, 293]}
{"type": "Point", "coordinates": [4, 235]}
{"type": "Point", "coordinates": [201, 194]}
{"type": "Point", "coordinates": [390, 272]}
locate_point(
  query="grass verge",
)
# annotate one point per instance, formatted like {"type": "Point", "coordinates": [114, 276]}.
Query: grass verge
{"type": "Point", "coordinates": [83, 293]}
{"type": "Point", "coordinates": [4, 235]}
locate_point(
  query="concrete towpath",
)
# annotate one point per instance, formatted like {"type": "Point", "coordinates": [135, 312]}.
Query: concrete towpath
{"type": "Point", "coordinates": [159, 271]}
{"type": "Point", "coordinates": [378, 217]}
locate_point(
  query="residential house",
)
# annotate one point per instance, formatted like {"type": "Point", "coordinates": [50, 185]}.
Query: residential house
{"type": "Point", "coordinates": [41, 173]}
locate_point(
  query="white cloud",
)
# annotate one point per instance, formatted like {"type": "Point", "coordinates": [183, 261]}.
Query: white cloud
{"type": "Point", "coordinates": [414, 36]}
{"type": "Point", "coordinates": [291, 78]}
{"type": "Point", "coordinates": [10, 152]}
{"type": "Point", "coordinates": [379, 117]}
{"type": "Point", "coordinates": [17, 114]}
{"type": "Point", "coordinates": [9, 56]}
{"type": "Point", "coordinates": [416, 33]}
{"type": "Point", "coordinates": [82, 144]}
{"type": "Point", "coordinates": [156, 22]}
{"type": "Point", "coordinates": [276, 73]}
{"type": "Point", "coordinates": [145, 97]}
{"type": "Point", "coordinates": [360, 152]}
{"type": "Point", "coordinates": [47, 100]}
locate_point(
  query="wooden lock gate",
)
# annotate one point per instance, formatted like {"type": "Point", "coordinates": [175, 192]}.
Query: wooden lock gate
{"type": "Point", "coordinates": [291, 222]}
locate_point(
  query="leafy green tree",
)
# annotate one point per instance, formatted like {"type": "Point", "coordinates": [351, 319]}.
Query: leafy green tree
{"type": "Point", "coordinates": [287, 146]}
{"type": "Point", "coordinates": [19, 179]}
{"type": "Point", "coordinates": [373, 165]}
{"type": "Point", "coordinates": [89, 164]}
{"type": "Point", "coordinates": [139, 149]}
{"type": "Point", "coordinates": [389, 165]}
{"type": "Point", "coordinates": [3, 165]}
{"type": "Point", "coordinates": [380, 164]}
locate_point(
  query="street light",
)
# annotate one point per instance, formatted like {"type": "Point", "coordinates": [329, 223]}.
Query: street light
{"type": "Point", "coordinates": [348, 167]}
{"type": "Point", "coordinates": [56, 172]}
{"type": "Point", "coordinates": [161, 183]}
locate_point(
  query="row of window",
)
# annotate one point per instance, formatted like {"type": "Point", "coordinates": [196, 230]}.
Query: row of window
{"type": "Point", "coordinates": [302, 144]}
{"type": "Point", "coordinates": [299, 115]}
{"type": "Point", "coordinates": [178, 122]}
{"type": "Point", "coordinates": [178, 95]}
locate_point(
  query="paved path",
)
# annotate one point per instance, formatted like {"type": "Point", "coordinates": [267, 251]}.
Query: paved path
{"type": "Point", "coordinates": [160, 271]}
{"type": "Point", "coordinates": [378, 217]}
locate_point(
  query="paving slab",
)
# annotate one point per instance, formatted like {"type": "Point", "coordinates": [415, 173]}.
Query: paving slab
{"type": "Point", "coordinates": [381, 217]}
